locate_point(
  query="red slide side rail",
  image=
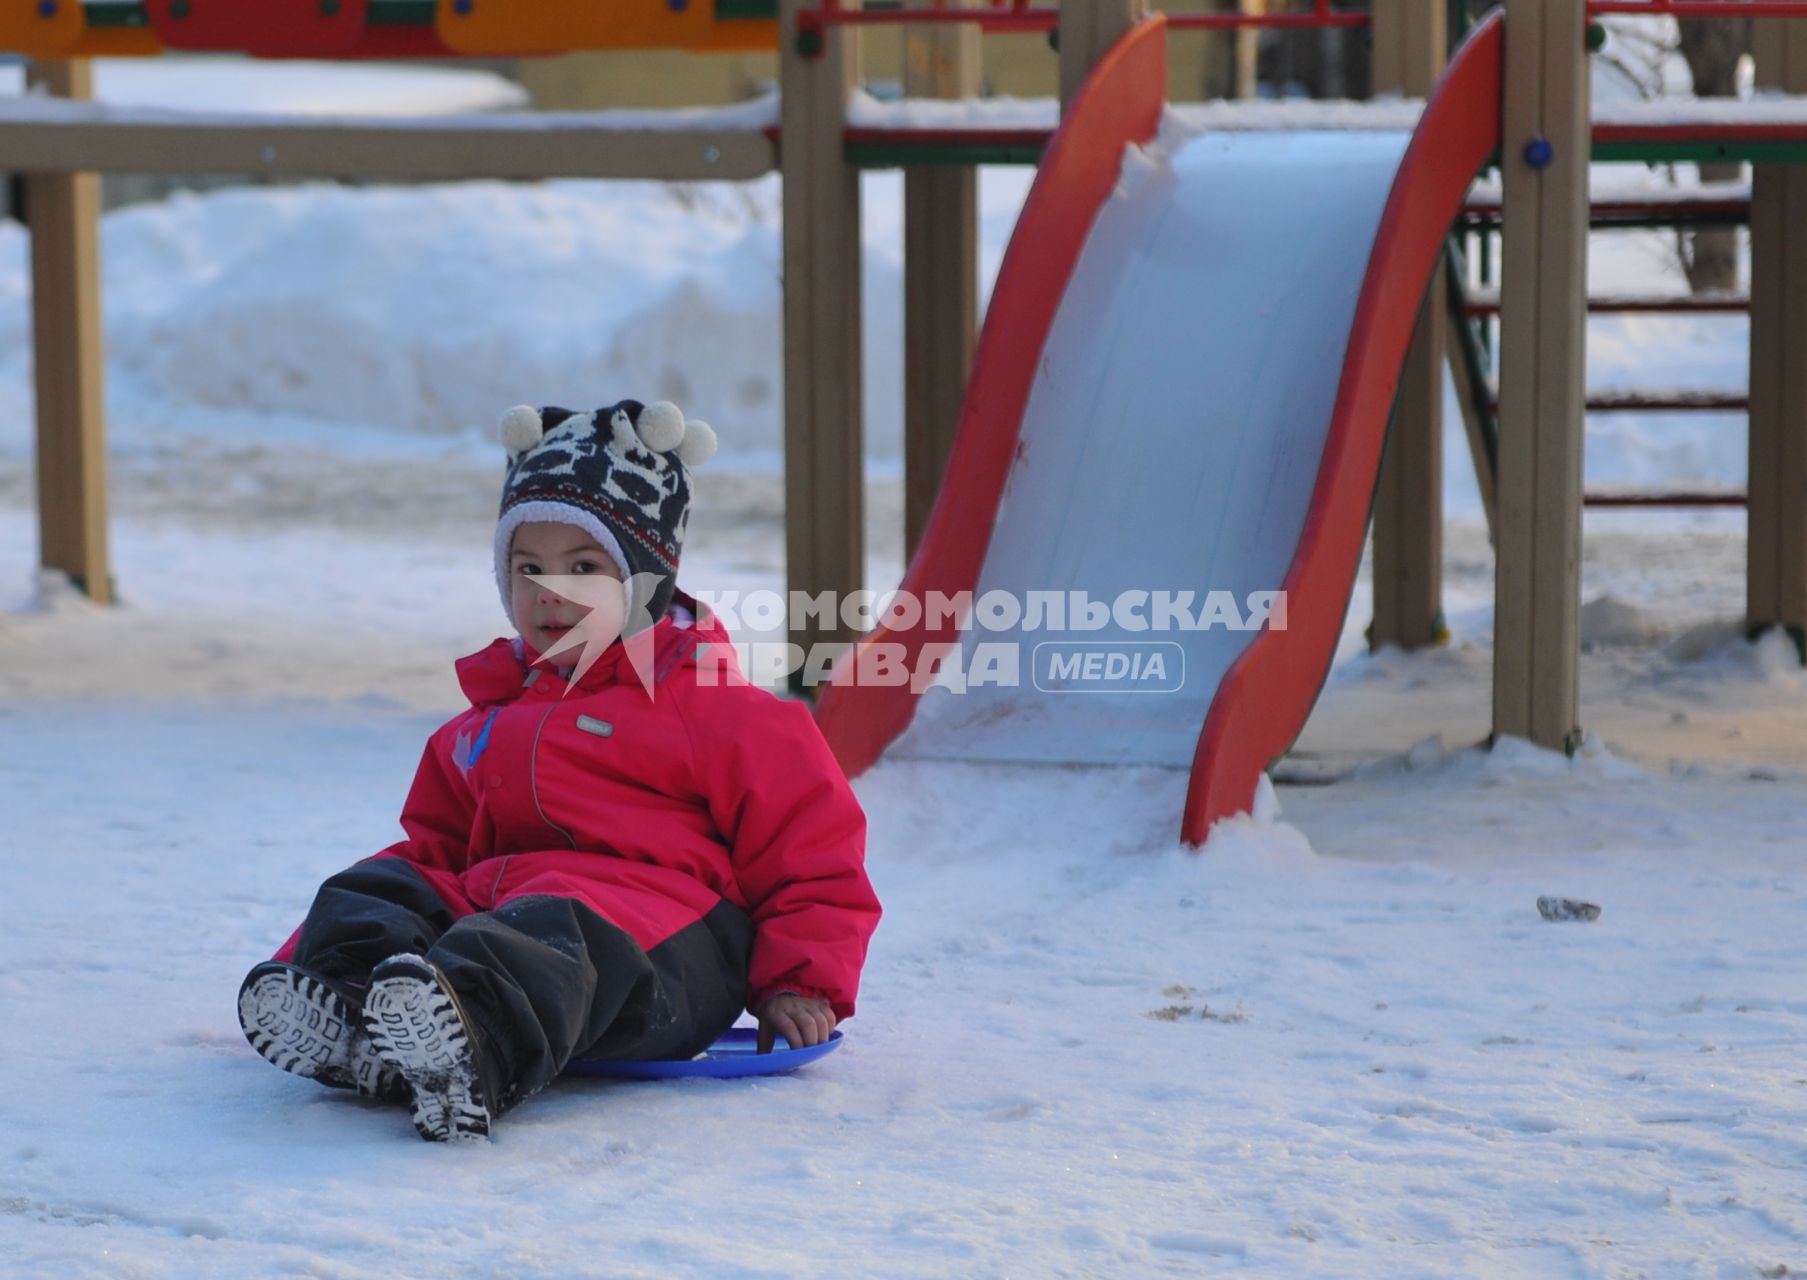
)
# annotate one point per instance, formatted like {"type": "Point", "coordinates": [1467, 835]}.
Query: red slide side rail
{"type": "Point", "coordinates": [1264, 699]}
{"type": "Point", "coordinates": [1120, 103]}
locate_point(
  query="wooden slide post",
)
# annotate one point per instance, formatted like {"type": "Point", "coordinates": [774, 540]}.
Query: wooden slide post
{"type": "Point", "coordinates": [1088, 28]}
{"type": "Point", "coordinates": [1776, 549]}
{"type": "Point", "coordinates": [1410, 40]}
{"type": "Point", "coordinates": [941, 272]}
{"type": "Point", "coordinates": [1543, 341]}
{"type": "Point", "coordinates": [63, 210]}
{"type": "Point", "coordinates": [824, 435]}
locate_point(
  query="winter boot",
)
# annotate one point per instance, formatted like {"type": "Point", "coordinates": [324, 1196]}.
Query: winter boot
{"type": "Point", "coordinates": [418, 1027]}
{"type": "Point", "coordinates": [313, 1026]}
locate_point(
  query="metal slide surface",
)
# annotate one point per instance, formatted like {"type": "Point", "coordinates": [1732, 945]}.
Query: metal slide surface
{"type": "Point", "coordinates": [1184, 395]}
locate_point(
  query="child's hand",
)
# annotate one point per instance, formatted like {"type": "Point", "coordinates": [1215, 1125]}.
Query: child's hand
{"type": "Point", "coordinates": [802, 1020]}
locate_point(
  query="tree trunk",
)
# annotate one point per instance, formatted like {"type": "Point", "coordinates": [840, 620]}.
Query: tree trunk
{"type": "Point", "coordinates": [1327, 62]}
{"type": "Point", "coordinates": [1713, 49]}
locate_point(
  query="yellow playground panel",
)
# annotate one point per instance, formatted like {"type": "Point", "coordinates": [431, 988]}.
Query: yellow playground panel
{"type": "Point", "coordinates": [499, 27]}
{"type": "Point", "coordinates": [57, 30]}
{"type": "Point", "coordinates": [41, 28]}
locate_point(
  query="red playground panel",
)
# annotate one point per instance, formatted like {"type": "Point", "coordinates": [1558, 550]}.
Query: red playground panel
{"type": "Point", "coordinates": [268, 28]}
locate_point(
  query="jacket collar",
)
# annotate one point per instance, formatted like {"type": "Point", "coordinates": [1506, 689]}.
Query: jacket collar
{"type": "Point", "coordinates": [498, 672]}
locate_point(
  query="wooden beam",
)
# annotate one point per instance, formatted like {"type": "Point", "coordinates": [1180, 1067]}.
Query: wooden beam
{"type": "Point", "coordinates": [824, 434]}
{"type": "Point", "coordinates": [1409, 53]}
{"type": "Point", "coordinates": [1543, 338]}
{"type": "Point", "coordinates": [1776, 546]}
{"type": "Point", "coordinates": [63, 211]}
{"type": "Point", "coordinates": [941, 274]}
{"type": "Point", "coordinates": [448, 149]}
{"type": "Point", "coordinates": [1088, 28]}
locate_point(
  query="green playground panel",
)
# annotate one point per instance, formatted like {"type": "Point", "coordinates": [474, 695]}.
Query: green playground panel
{"type": "Point", "coordinates": [116, 15]}
{"type": "Point", "coordinates": [402, 13]}
{"type": "Point", "coordinates": [1703, 152]}
{"type": "Point", "coordinates": [382, 13]}
{"type": "Point", "coordinates": [904, 155]}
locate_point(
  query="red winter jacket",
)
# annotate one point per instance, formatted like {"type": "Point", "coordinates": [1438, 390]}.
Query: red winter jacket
{"type": "Point", "coordinates": [650, 809]}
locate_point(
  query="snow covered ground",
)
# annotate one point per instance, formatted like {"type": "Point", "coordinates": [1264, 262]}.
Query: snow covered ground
{"type": "Point", "coordinates": [1341, 1041]}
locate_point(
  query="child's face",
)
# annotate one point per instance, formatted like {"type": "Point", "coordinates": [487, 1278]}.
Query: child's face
{"type": "Point", "coordinates": [541, 615]}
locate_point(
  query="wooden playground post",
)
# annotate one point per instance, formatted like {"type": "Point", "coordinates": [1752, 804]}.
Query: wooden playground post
{"type": "Point", "coordinates": [1410, 40]}
{"type": "Point", "coordinates": [1543, 335]}
{"type": "Point", "coordinates": [1248, 50]}
{"type": "Point", "coordinates": [824, 437]}
{"type": "Point", "coordinates": [1088, 28]}
{"type": "Point", "coordinates": [63, 211]}
{"type": "Point", "coordinates": [941, 272]}
{"type": "Point", "coordinates": [1776, 548]}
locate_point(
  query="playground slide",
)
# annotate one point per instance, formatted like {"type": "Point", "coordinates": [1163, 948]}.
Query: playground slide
{"type": "Point", "coordinates": [1183, 386]}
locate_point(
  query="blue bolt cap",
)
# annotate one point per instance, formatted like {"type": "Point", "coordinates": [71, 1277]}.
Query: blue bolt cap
{"type": "Point", "coordinates": [47, 8]}
{"type": "Point", "coordinates": [1539, 153]}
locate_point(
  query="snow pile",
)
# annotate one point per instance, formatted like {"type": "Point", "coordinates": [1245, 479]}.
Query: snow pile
{"type": "Point", "coordinates": [431, 309]}
{"type": "Point", "coordinates": [284, 86]}
{"type": "Point", "coordinates": [1608, 621]}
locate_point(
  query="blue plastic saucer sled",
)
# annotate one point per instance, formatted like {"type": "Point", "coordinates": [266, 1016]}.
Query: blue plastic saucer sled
{"type": "Point", "coordinates": [735, 1054]}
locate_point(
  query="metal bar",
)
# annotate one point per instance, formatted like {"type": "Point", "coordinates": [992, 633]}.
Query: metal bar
{"type": "Point", "coordinates": [1026, 19]}
{"type": "Point", "coordinates": [1487, 306]}
{"type": "Point", "coordinates": [1739, 207]}
{"type": "Point", "coordinates": [1671, 402]}
{"type": "Point", "coordinates": [1630, 220]}
{"type": "Point", "coordinates": [1476, 362]}
{"type": "Point", "coordinates": [1700, 8]}
{"type": "Point", "coordinates": [1679, 499]}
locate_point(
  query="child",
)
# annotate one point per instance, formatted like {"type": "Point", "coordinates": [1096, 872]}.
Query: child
{"type": "Point", "coordinates": [617, 848]}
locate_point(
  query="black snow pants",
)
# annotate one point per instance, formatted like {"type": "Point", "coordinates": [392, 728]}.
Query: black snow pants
{"type": "Point", "coordinates": [545, 979]}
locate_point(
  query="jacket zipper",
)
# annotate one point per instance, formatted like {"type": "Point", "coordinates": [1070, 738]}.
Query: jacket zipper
{"type": "Point", "coordinates": [533, 777]}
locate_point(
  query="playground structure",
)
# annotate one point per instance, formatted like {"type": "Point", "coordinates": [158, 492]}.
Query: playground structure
{"type": "Point", "coordinates": [1518, 90]}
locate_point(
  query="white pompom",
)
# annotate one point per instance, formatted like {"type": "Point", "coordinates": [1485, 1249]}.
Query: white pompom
{"type": "Point", "coordinates": [698, 445]}
{"type": "Point", "coordinates": [521, 428]}
{"type": "Point", "coordinates": [661, 426]}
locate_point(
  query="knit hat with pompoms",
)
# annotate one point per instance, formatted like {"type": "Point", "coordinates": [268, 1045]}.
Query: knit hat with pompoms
{"type": "Point", "coordinates": [621, 474]}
